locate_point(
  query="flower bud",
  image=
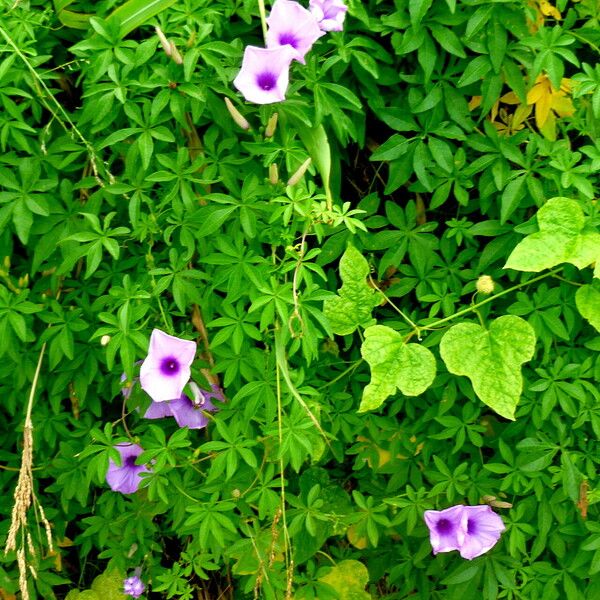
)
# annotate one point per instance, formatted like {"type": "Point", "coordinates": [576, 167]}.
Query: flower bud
{"type": "Point", "coordinates": [164, 41]}
{"type": "Point", "coordinates": [485, 284]}
{"type": "Point", "coordinates": [236, 115]}
{"type": "Point", "coordinates": [271, 125]}
{"type": "Point", "coordinates": [105, 340]}
{"type": "Point", "coordinates": [175, 54]}
{"type": "Point", "coordinates": [297, 176]}
{"type": "Point", "coordinates": [273, 174]}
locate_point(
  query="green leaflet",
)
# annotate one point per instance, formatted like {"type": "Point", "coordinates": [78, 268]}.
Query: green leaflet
{"type": "Point", "coordinates": [563, 237]}
{"type": "Point", "coordinates": [353, 306]}
{"type": "Point", "coordinates": [394, 365]}
{"type": "Point", "coordinates": [491, 359]}
{"type": "Point", "coordinates": [587, 300]}
{"type": "Point", "coordinates": [349, 579]}
{"type": "Point", "coordinates": [134, 13]}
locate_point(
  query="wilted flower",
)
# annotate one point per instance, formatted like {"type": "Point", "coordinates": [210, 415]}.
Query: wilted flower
{"type": "Point", "coordinates": [446, 528]}
{"type": "Point", "coordinates": [126, 478]}
{"type": "Point", "coordinates": [134, 586]}
{"type": "Point", "coordinates": [484, 527]}
{"type": "Point", "coordinates": [330, 14]}
{"type": "Point", "coordinates": [166, 369]}
{"type": "Point", "coordinates": [264, 76]}
{"type": "Point", "coordinates": [290, 23]}
{"type": "Point", "coordinates": [472, 530]}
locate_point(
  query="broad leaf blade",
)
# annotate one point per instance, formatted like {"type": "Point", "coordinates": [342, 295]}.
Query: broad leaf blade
{"type": "Point", "coordinates": [134, 13]}
{"type": "Point", "coordinates": [587, 300]}
{"type": "Point", "coordinates": [352, 307]}
{"type": "Point", "coordinates": [394, 364]}
{"type": "Point", "coordinates": [491, 359]}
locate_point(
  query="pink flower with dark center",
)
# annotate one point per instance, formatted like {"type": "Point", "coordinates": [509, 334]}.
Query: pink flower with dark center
{"type": "Point", "coordinates": [126, 478]}
{"type": "Point", "coordinates": [166, 369]}
{"type": "Point", "coordinates": [264, 76]}
{"type": "Point", "coordinates": [484, 527]}
{"type": "Point", "coordinates": [446, 528]}
{"type": "Point", "coordinates": [134, 586]}
{"type": "Point", "coordinates": [330, 14]}
{"type": "Point", "coordinates": [291, 24]}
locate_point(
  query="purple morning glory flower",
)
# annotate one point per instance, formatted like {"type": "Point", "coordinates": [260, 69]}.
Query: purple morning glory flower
{"type": "Point", "coordinates": [126, 478]}
{"type": "Point", "coordinates": [484, 527]}
{"type": "Point", "coordinates": [290, 23]}
{"type": "Point", "coordinates": [330, 14]}
{"type": "Point", "coordinates": [166, 369]}
{"type": "Point", "coordinates": [447, 528]}
{"type": "Point", "coordinates": [134, 586]}
{"type": "Point", "coordinates": [264, 76]}
{"type": "Point", "coordinates": [187, 412]}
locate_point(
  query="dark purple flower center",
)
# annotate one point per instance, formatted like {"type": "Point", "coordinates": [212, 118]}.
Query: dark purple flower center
{"type": "Point", "coordinates": [471, 527]}
{"type": "Point", "coordinates": [444, 526]}
{"type": "Point", "coordinates": [288, 38]}
{"type": "Point", "coordinates": [169, 366]}
{"type": "Point", "coordinates": [266, 81]}
{"type": "Point", "coordinates": [130, 461]}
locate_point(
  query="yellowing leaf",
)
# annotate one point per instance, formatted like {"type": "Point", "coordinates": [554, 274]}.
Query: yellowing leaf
{"type": "Point", "coordinates": [349, 579]}
{"type": "Point", "coordinates": [550, 103]}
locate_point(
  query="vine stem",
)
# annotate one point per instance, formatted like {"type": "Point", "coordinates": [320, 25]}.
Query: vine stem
{"type": "Point", "coordinates": [474, 307]}
{"type": "Point", "coordinates": [55, 113]}
{"type": "Point", "coordinates": [263, 18]}
{"type": "Point", "coordinates": [404, 316]}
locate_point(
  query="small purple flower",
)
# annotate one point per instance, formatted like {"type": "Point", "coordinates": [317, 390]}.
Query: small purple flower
{"type": "Point", "coordinates": [330, 14]}
{"type": "Point", "coordinates": [126, 478]}
{"type": "Point", "coordinates": [447, 528]}
{"type": "Point", "coordinates": [264, 76]}
{"type": "Point", "coordinates": [187, 412]}
{"type": "Point", "coordinates": [134, 586]}
{"type": "Point", "coordinates": [483, 530]}
{"type": "Point", "coordinates": [290, 23]}
{"type": "Point", "coordinates": [166, 369]}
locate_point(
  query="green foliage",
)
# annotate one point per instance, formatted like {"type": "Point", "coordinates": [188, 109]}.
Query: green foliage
{"type": "Point", "coordinates": [448, 141]}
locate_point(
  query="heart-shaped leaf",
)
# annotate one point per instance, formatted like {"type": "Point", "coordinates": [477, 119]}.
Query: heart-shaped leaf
{"type": "Point", "coordinates": [356, 298]}
{"type": "Point", "coordinates": [491, 359]}
{"type": "Point", "coordinates": [587, 300]}
{"type": "Point", "coordinates": [563, 237]}
{"type": "Point", "coordinates": [394, 364]}
{"type": "Point", "coordinates": [349, 579]}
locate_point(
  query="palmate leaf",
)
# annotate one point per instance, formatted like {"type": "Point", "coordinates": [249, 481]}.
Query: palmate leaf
{"type": "Point", "coordinates": [491, 359]}
{"type": "Point", "coordinates": [587, 300]}
{"type": "Point", "coordinates": [563, 237]}
{"type": "Point", "coordinates": [352, 307]}
{"type": "Point", "coordinates": [394, 364]}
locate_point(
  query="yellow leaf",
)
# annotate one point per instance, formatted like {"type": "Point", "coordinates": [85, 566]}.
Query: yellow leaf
{"type": "Point", "coordinates": [548, 10]}
{"type": "Point", "coordinates": [510, 98]}
{"type": "Point", "coordinates": [355, 539]}
{"type": "Point", "coordinates": [475, 102]}
{"type": "Point", "coordinates": [562, 105]}
{"type": "Point", "coordinates": [542, 109]}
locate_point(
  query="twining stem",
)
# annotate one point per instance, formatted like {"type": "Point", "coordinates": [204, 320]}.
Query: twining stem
{"type": "Point", "coordinates": [57, 106]}
{"type": "Point", "coordinates": [473, 307]}
{"type": "Point", "coordinates": [263, 18]}
{"type": "Point", "coordinates": [404, 316]}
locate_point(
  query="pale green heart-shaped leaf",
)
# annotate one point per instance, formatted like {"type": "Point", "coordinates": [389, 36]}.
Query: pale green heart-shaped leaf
{"type": "Point", "coordinates": [349, 579]}
{"type": "Point", "coordinates": [587, 300]}
{"type": "Point", "coordinates": [491, 359]}
{"type": "Point", "coordinates": [356, 298]}
{"type": "Point", "coordinates": [394, 364]}
{"type": "Point", "coordinates": [562, 237]}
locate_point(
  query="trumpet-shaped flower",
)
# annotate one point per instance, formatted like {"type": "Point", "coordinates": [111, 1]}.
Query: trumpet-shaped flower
{"type": "Point", "coordinates": [126, 478]}
{"type": "Point", "coordinates": [483, 530]}
{"type": "Point", "coordinates": [290, 23]}
{"type": "Point", "coordinates": [330, 14]}
{"type": "Point", "coordinates": [134, 586]}
{"type": "Point", "coordinates": [472, 530]}
{"type": "Point", "coordinates": [446, 528]}
{"type": "Point", "coordinates": [166, 369]}
{"type": "Point", "coordinates": [264, 76]}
